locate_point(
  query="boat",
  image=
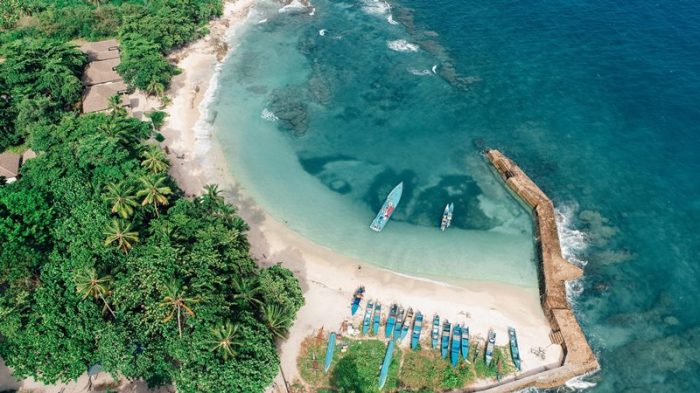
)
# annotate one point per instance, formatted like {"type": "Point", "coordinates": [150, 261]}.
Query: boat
{"type": "Point", "coordinates": [447, 216]}
{"type": "Point", "coordinates": [514, 351]}
{"type": "Point", "coordinates": [465, 343]}
{"type": "Point", "coordinates": [366, 321]}
{"type": "Point", "coordinates": [391, 320]}
{"type": "Point", "coordinates": [445, 344]}
{"type": "Point", "coordinates": [417, 326]}
{"type": "Point", "coordinates": [392, 200]}
{"type": "Point", "coordinates": [456, 345]}
{"type": "Point", "coordinates": [490, 344]}
{"type": "Point", "coordinates": [400, 318]}
{"type": "Point", "coordinates": [435, 334]}
{"type": "Point", "coordinates": [329, 353]}
{"type": "Point", "coordinates": [406, 324]}
{"type": "Point", "coordinates": [384, 372]}
{"type": "Point", "coordinates": [377, 318]}
{"type": "Point", "coordinates": [357, 299]}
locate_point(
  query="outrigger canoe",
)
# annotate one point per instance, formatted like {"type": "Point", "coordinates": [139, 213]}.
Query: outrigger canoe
{"type": "Point", "coordinates": [391, 321]}
{"type": "Point", "coordinates": [465, 343]}
{"type": "Point", "coordinates": [367, 320]}
{"type": "Point", "coordinates": [417, 326]}
{"type": "Point", "coordinates": [384, 372]}
{"type": "Point", "coordinates": [447, 216]}
{"type": "Point", "coordinates": [329, 353]}
{"type": "Point", "coordinates": [435, 334]}
{"type": "Point", "coordinates": [490, 344]}
{"type": "Point", "coordinates": [377, 318]}
{"type": "Point", "coordinates": [514, 351]}
{"type": "Point", "coordinates": [456, 344]}
{"type": "Point", "coordinates": [356, 300]}
{"type": "Point", "coordinates": [392, 200]}
{"type": "Point", "coordinates": [406, 324]}
{"type": "Point", "coordinates": [399, 323]}
{"type": "Point", "coordinates": [445, 344]}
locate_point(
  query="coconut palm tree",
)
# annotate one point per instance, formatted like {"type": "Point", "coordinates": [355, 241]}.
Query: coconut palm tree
{"type": "Point", "coordinates": [277, 318]}
{"type": "Point", "coordinates": [154, 160]}
{"type": "Point", "coordinates": [122, 199]}
{"type": "Point", "coordinates": [120, 234]}
{"type": "Point", "coordinates": [247, 291]}
{"type": "Point", "coordinates": [155, 88]}
{"type": "Point", "coordinates": [176, 299]}
{"type": "Point", "coordinates": [154, 192]}
{"type": "Point", "coordinates": [225, 339]}
{"type": "Point", "coordinates": [114, 103]}
{"type": "Point", "coordinates": [87, 283]}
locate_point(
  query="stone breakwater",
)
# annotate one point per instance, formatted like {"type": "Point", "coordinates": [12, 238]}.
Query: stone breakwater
{"type": "Point", "coordinates": [554, 271]}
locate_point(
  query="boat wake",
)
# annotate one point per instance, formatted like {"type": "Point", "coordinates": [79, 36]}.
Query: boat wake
{"type": "Point", "coordinates": [402, 46]}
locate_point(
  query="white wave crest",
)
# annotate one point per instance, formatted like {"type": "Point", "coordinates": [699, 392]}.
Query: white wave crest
{"type": "Point", "coordinates": [375, 7]}
{"type": "Point", "coordinates": [434, 69]}
{"type": "Point", "coordinates": [313, 11]}
{"type": "Point", "coordinates": [261, 21]}
{"type": "Point", "coordinates": [418, 72]}
{"type": "Point", "coordinates": [322, 32]}
{"type": "Point", "coordinates": [293, 6]}
{"type": "Point", "coordinates": [391, 20]}
{"type": "Point", "coordinates": [571, 240]}
{"type": "Point", "coordinates": [268, 115]}
{"type": "Point", "coordinates": [579, 384]}
{"type": "Point", "coordinates": [402, 46]}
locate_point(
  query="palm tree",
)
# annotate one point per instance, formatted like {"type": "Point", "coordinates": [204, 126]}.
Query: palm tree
{"type": "Point", "coordinates": [120, 234]}
{"type": "Point", "coordinates": [277, 318]}
{"type": "Point", "coordinates": [247, 291]}
{"type": "Point", "coordinates": [155, 88]}
{"type": "Point", "coordinates": [154, 192]}
{"type": "Point", "coordinates": [225, 338]}
{"type": "Point", "coordinates": [154, 160]}
{"type": "Point", "coordinates": [87, 283]}
{"type": "Point", "coordinates": [122, 199]}
{"type": "Point", "coordinates": [114, 103]}
{"type": "Point", "coordinates": [176, 299]}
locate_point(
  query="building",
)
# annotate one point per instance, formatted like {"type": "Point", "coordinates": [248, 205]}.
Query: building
{"type": "Point", "coordinates": [9, 166]}
{"type": "Point", "coordinates": [100, 78]}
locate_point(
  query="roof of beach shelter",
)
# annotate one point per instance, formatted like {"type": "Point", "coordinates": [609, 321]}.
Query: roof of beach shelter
{"type": "Point", "coordinates": [102, 71]}
{"type": "Point", "coordinates": [101, 50]}
{"type": "Point", "coordinates": [28, 155]}
{"type": "Point", "coordinates": [96, 98]}
{"type": "Point", "coordinates": [9, 164]}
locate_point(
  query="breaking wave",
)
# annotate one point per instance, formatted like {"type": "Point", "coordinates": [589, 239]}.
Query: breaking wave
{"type": "Point", "coordinates": [579, 384]}
{"type": "Point", "coordinates": [402, 46]}
{"type": "Point", "coordinates": [322, 32]}
{"type": "Point", "coordinates": [268, 115]}
{"type": "Point", "coordinates": [573, 242]}
{"type": "Point", "coordinates": [391, 20]}
{"type": "Point", "coordinates": [375, 7]}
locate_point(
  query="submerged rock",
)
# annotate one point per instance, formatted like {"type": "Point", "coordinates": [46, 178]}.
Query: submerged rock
{"type": "Point", "coordinates": [290, 107]}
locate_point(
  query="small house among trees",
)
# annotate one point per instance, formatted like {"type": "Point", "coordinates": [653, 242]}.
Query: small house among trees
{"type": "Point", "coordinates": [100, 78]}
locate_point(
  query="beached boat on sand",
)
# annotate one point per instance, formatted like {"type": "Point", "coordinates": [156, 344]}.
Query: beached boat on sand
{"type": "Point", "coordinates": [384, 372]}
{"type": "Point", "coordinates": [417, 326]}
{"type": "Point", "coordinates": [490, 344]}
{"type": "Point", "coordinates": [392, 200]}
{"type": "Point", "coordinates": [406, 324]}
{"type": "Point", "coordinates": [377, 318]}
{"type": "Point", "coordinates": [447, 216]}
{"type": "Point", "coordinates": [445, 344]}
{"type": "Point", "coordinates": [329, 353]}
{"type": "Point", "coordinates": [465, 343]}
{"type": "Point", "coordinates": [435, 334]}
{"type": "Point", "coordinates": [367, 320]}
{"type": "Point", "coordinates": [456, 344]}
{"type": "Point", "coordinates": [514, 351]}
{"type": "Point", "coordinates": [399, 323]}
{"type": "Point", "coordinates": [391, 321]}
{"type": "Point", "coordinates": [356, 300]}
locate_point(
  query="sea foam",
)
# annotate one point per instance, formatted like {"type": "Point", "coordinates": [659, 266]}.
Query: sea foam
{"type": "Point", "coordinates": [268, 115]}
{"type": "Point", "coordinates": [573, 242]}
{"type": "Point", "coordinates": [375, 7]}
{"type": "Point", "coordinates": [402, 46]}
{"type": "Point", "coordinates": [391, 20]}
{"type": "Point", "coordinates": [418, 72]}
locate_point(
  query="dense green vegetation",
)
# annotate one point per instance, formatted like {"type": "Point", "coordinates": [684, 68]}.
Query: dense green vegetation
{"type": "Point", "coordinates": [104, 262]}
{"type": "Point", "coordinates": [357, 370]}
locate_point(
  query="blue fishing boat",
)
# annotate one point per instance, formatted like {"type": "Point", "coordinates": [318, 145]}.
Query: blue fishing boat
{"type": "Point", "coordinates": [392, 200]}
{"type": "Point", "coordinates": [445, 344]}
{"type": "Point", "coordinates": [384, 372]}
{"type": "Point", "coordinates": [367, 320]}
{"type": "Point", "coordinates": [417, 326]}
{"type": "Point", "coordinates": [456, 345]}
{"type": "Point", "coordinates": [465, 343]}
{"type": "Point", "coordinates": [514, 351]}
{"type": "Point", "coordinates": [435, 334]}
{"type": "Point", "coordinates": [329, 353]}
{"type": "Point", "coordinates": [391, 321]}
{"type": "Point", "coordinates": [447, 216]}
{"type": "Point", "coordinates": [357, 299]}
{"type": "Point", "coordinates": [490, 344]}
{"type": "Point", "coordinates": [406, 324]}
{"type": "Point", "coordinates": [399, 323]}
{"type": "Point", "coordinates": [377, 318]}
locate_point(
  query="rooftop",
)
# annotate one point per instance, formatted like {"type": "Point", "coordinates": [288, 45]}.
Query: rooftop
{"type": "Point", "coordinates": [101, 50]}
{"type": "Point", "coordinates": [9, 164]}
{"type": "Point", "coordinates": [101, 71]}
{"type": "Point", "coordinates": [96, 98]}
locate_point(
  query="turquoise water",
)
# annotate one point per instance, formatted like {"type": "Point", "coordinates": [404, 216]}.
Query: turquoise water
{"type": "Point", "coordinates": [320, 116]}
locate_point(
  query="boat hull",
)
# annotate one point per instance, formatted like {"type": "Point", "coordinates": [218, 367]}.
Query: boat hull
{"type": "Point", "coordinates": [388, 208]}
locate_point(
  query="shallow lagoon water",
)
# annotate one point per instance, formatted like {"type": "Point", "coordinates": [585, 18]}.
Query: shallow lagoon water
{"type": "Point", "coordinates": [596, 101]}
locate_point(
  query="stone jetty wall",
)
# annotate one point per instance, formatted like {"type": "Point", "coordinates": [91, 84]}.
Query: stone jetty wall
{"type": "Point", "coordinates": [554, 271]}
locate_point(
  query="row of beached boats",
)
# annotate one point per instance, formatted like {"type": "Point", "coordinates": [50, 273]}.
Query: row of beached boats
{"type": "Point", "coordinates": [392, 201]}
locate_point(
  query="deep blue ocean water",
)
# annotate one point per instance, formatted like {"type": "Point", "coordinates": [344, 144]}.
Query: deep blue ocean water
{"type": "Point", "coordinates": [597, 101]}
